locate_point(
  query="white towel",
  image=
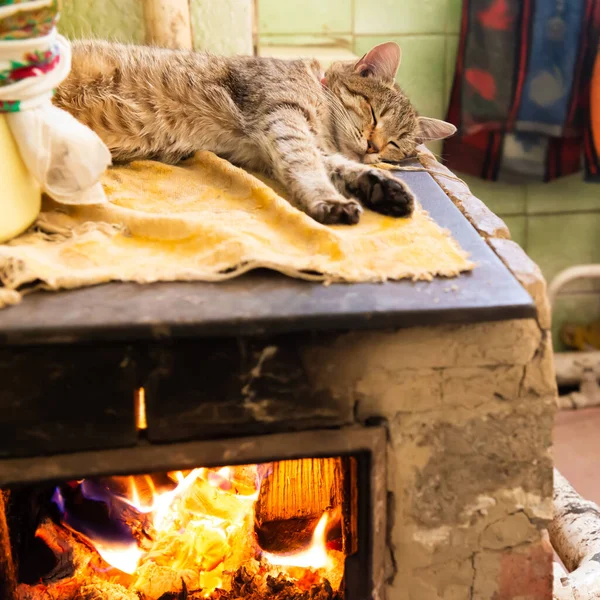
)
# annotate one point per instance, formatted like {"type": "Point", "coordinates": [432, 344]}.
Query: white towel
{"type": "Point", "coordinates": [65, 156]}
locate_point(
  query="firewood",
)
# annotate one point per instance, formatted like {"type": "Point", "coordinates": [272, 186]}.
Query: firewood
{"type": "Point", "coordinates": [302, 488]}
{"type": "Point", "coordinates": [75, 566]}
{"type": "Point", "coordinates": [293, 498]}
{"type": "Point", "coordinates": [575, 536]}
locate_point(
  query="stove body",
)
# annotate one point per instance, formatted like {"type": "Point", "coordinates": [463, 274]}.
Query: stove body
{"type": "Point", "coordinates": [443, 397]}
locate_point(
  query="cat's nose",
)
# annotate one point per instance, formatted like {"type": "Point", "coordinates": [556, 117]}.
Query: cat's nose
{"type": "Point", "coordinates": [372, 147]}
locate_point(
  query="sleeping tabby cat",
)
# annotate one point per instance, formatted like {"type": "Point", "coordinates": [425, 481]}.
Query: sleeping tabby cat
{"type": "Point", "coordinates": [316, 133]}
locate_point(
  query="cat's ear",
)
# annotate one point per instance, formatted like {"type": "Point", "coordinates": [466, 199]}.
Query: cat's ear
{"type": "Point", "coordinates": [382, 61]}
{"type": "Point", "coordinates": [433, 129]}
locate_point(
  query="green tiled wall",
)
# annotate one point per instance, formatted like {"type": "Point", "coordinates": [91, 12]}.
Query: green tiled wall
{"type": "Point", "coordinates": [117, 20]}
{"type": "Point", "coordinates": [558, 224]}
{"type": "Point", "coordinates": [305, 17]}
{"type": "Point", "coordinates": [223, 26]}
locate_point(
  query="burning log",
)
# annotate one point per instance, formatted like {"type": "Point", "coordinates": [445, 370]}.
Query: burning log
{"type": "Point", "coordinates": [92, 507]}
{"type": "Point", "coordinates": [293, 499]}
{"type": "Point", "coordinates": [8, 578]}
{"type": "Point", "coordinates": [74, 569]}
{"type": "Point", "coordinates": [69, 556]}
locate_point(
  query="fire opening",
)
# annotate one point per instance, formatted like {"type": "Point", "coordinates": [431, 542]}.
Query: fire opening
{"type": "Point", "coordinates": [278, 531]}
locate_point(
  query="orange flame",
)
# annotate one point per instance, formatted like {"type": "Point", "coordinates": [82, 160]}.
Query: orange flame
{"type": "Point", "coordinates": [125, 557]}
{"type": "Point", "coordinates": [314, 557]}
{"type": "Point", "coordinates": [193, 524]}
{"type": "Point", "coordinates": [200, 528]}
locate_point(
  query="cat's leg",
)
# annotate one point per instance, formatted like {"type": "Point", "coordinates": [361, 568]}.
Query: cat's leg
{"type": "Point", "coordinates": [377, 189]}
{"type": "Point", "coordinates": [298, 164]}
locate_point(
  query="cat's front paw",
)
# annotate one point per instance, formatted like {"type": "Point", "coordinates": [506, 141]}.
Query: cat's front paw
{"type": "Point", "coordinates": [336, 211]}
{"type": "Point", "coordinates": [383, 193]}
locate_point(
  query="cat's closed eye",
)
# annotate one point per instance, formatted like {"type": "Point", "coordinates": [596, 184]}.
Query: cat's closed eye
{"type": "Point", "coordinates": [373, 115]}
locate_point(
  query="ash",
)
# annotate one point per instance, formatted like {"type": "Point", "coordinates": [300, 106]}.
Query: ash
{"type": "Point", "coordinates": [246, 586]}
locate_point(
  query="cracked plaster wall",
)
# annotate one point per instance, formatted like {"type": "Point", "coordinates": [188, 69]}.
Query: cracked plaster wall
{"type": "Point", "coordinates": [469, 411]}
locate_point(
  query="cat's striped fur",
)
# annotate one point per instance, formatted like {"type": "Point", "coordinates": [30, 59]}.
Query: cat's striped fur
{"type": "Point", "coordinates": [316, 135]}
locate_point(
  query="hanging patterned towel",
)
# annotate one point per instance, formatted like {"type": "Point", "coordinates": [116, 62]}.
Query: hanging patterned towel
{"type": "Point", "coordinates": [66, 157]}
{"type": "Point", "coordinates": [592, 132]}
{"type": "Point", "coordinates": [521, 93]}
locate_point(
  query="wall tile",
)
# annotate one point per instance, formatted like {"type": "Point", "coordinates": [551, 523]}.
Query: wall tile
{"type": "Point", "coordinates": [501, 198]}
{"type": "Point", "coordinates": [556, 242]}
{"type": "Point", "coordinates": [304, 16]}
{"type": "Point", "coordinates": [579, 309]}
{"type": "Point", "coordinates": [210, 19]}
{"type": "Point", "coordinates": [400, 16]}
{"type": "Point", "coordinates": [568, 194]}
{"type": "Point", "coordinates": [518, 229]}
{"type": "Point", "coordinates": [421, 73]}
{"type": "Point", "coordinates": [338, 41]}
{"type": "Point", "coordinates": [117, 20]}
{"type": "Point", "coordinates": [453, 16]}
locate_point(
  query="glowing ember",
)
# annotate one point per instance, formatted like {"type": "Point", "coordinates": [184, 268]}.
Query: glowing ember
{"type": "Point", "coordinates": [314, 557]}
{"type": "Point", "coordinates": [194, 528]}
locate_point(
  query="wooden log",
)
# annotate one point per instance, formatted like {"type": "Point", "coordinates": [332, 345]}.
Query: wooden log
{"type": "Point", "coordinates": [168, 23]}
{"type": "Point", "coordinates": [8, 576]}
{"type": "Point", "coordinates": [300, 488]}
{"type": "Point", "coordinates": [575, 536]}
{"type": "Point", "coordinates": [350, 506]}
{"type": "Point", "coordinates": [77, 570]}
{"type": "Point", "coordinates": [293, 499]}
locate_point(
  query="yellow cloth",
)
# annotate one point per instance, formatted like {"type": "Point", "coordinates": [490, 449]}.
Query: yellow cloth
{"type": "Point", "coordinates": [208, 220]}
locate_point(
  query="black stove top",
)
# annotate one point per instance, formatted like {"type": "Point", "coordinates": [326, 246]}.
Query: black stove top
{"type": "Point", "coordinates": [267, 303]}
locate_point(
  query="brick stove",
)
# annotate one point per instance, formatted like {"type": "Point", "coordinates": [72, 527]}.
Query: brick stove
{"type": "Point", "coordinates": [423, 409]}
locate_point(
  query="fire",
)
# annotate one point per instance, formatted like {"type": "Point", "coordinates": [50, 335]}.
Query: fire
{"type": "Point", "coordinates": [124, 559]}
{"type": "Point", "coordinates": [195, 526]}
{"type": "Point", "coordinates": [314, 557]}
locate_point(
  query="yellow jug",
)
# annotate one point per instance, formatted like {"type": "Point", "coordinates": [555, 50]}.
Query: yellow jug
{"type": "Point", "coordinates": [20, 194]}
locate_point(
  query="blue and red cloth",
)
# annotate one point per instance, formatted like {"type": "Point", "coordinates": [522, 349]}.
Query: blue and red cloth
{"type": "Point", "coordinates": [522, 92]}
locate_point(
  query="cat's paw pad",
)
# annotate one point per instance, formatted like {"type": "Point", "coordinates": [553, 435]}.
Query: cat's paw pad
{"type": "Point", "coordinates": [336, 211]}
{"type": "Point", "coordinates": [385, 194]}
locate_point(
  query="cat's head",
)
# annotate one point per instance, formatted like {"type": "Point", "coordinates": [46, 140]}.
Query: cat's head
{"type": "Point", "coordinates": [372, 120]}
